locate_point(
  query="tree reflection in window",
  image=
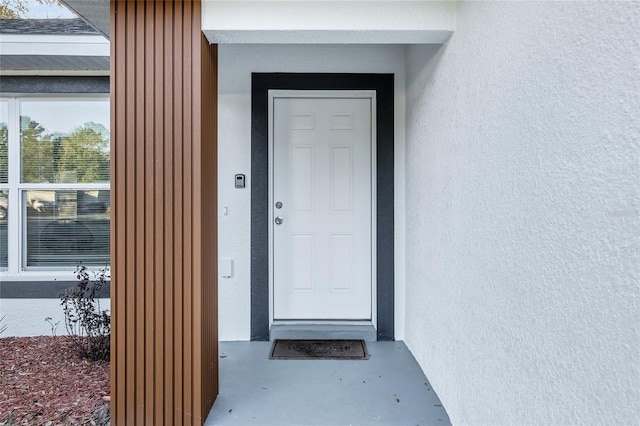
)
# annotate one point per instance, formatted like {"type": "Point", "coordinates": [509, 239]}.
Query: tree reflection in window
{"type": "Point", "coordinates": [79, 157]}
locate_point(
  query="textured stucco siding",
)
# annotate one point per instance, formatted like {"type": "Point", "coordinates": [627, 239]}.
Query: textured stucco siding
{"type": "Point", "coordinates": [523, 223]}
{"type": "Point", "coordinates": [35, 322]}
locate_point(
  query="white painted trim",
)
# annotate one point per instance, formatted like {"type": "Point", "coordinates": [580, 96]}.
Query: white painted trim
{"type": "Point", "coordinates": [270, 151]}
{"type": "Point", "coordinates": [13, 228]}
{"type": "Point", "coordinates": [374, 209]}
{"type": "Point", "coordinates": [76, 73]}
{"type": "Point", "coordinates": [327, 37]}
{"type": "Point", "coordinates": [362, 94]}
{"type": "Point", "coordinates": [63, 186]}
{"type": "Point", "coordinates": [65, 45]}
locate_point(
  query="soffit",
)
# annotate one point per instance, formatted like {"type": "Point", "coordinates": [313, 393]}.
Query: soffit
{"type": "Point", "coordinates": [94, 12]}
{"type": "Point", "coordinates": [54, 64]}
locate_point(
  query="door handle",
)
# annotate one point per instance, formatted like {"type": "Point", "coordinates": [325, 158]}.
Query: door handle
{"type": "Point", "coordinates": [279, 220]}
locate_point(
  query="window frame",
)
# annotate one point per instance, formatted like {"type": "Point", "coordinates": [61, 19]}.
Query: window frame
{"type": "Point", "coordinates": [17, 269]}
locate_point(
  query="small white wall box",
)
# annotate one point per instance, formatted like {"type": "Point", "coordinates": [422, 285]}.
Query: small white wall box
{"type": "Point", "coordinates": [240, 181]}
{"type": "Point", "coordinates": [226, 268]}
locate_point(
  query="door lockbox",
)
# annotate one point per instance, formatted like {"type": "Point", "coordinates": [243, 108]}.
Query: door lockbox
{"type": "Point", "coordinates": [240, 181]}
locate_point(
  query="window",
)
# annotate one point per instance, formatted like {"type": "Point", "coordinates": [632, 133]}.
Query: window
{"type": "Point", "coordinates": [54, 183]}
{"type": "Point", "coordinates": [4, 193]}
{"type": "Point", "coordinates": [4, 209]}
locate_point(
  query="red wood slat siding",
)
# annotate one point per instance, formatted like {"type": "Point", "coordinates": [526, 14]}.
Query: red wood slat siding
{"type": "Point", "coordinates": [164, 363]}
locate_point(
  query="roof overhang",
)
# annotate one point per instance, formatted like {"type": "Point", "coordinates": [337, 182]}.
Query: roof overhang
{"type": "Point", "coordinates": [309, 21]}
{"type": "Point", "coordinates": [38, 54]}
{"type": "Point", "coordinates": [94, 12]}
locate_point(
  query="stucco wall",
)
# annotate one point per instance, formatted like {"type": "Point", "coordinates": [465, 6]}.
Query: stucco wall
{"type": "Point", "coordinates": [523, 302]}
{"type": "Point", "coordinates": [236, 63]}
{"type": "Point", "coordinates": [27, 317]}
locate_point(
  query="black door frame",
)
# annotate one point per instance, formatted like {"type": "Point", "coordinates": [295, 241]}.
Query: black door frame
{"type": "Point", "coordinates": [383, 84]}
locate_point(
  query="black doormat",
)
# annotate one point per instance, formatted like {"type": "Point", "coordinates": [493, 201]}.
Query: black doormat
{"type": "Point", "coordinates": [318, 349]}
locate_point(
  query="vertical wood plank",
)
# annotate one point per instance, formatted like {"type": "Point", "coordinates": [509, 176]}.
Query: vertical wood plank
{"type": "Point", "coordinates": [139, 193]}
{"type": "Point", "coordinates": [149, 267]}
{"type": "Point", "coordinates": [164, 180]}
{"type": "Point", "coordinates": [158, 159]}
{"type": "Point", "coordinates": [178, 294]}
{"type": "Point", "coordinates": [130, 166]}
{"type": "Point", "coordinates": [187, 134]}
{"type": "Point", "coordinates": [168, 213]}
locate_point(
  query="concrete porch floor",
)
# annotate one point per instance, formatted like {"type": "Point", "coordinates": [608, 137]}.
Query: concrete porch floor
{"type": "Point", "coordinates": [387, 389]}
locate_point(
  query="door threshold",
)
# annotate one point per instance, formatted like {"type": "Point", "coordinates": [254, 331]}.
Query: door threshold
{"type": "Point", "coordinates": [338, 330]}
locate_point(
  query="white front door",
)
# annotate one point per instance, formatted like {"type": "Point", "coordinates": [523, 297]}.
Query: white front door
{"type": "Point", "coordinates": [322, 206]}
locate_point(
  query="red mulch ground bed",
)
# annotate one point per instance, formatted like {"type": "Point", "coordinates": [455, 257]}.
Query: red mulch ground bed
{"type": "Point", "coordinates": [44, 382]}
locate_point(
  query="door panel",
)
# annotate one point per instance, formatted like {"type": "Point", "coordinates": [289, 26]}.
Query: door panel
{"type": "Point", "coordinates": [322, 176]}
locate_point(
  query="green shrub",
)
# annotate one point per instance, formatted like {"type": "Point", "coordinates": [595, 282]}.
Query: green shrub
{"type": "Point", "coordinates": [89, 326]}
